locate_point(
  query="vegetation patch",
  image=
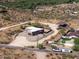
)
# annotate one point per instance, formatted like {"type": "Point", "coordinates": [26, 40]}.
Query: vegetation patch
{"type": "Point", "coordinates": [30, 4]}
{"type": "Point", "coordinates": [76, 47]}
{"type": "Point", "coordinates": [65, 39]}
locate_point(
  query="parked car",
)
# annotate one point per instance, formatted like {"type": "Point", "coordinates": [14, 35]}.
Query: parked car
{"type": "Point", "coordinates": [66, 50]}
{"type": "Point", "coordinates": [56, 50]}
{"type": "Point", "coordinates": [62, 50]}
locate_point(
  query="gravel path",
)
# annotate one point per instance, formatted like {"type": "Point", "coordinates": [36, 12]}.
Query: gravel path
{"type": "Point", "coordinates": [4, 28]}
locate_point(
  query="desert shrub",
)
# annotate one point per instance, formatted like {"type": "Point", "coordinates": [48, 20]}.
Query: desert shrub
{"type": "Point", "coordinates": [40, 46]}
{"type": "Point", "coordinates": [76, 41]}
{"type": "Point", "coordinates": [36, 25]}
{"type": "Point", "coordinates": [62, 31]}
{"type": "Point", "coordinates": [76, 47]}
{"type": "Point", "coordinates": [53, 46]}
{"type": "Point", "coordinates": [6, 18]}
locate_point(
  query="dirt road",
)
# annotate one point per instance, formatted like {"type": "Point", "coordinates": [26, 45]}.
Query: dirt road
{"type": "Point", "coordinates": [4, 28]}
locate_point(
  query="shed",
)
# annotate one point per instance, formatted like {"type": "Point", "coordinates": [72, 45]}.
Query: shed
{"type": "Point", "coordinates": [34, 30]}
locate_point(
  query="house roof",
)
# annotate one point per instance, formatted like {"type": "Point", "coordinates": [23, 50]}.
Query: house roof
{"type": "Point", "coordinates": [75, 33]}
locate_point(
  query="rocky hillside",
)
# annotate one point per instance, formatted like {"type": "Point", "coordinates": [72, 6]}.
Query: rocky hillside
{"type": "Point", "coordinates": [62, 12]}
{"type": "Point", "coordinates": [13, 16]}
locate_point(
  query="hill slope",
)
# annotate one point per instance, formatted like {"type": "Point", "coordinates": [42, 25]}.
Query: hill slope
{"type": "Point", "coordinates": [30, 4]}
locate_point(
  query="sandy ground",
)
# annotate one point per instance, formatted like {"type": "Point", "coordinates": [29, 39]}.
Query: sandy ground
{"type": "Point", "coordinates": [41, 55]}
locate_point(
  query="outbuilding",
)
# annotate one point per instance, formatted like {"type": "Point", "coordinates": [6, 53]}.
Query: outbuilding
{"type": "Point", "coordinates": [34, 30]}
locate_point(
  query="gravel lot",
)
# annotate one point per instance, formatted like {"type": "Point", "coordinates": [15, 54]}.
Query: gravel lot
{"type": "Point", "coordinates": [23, 39]}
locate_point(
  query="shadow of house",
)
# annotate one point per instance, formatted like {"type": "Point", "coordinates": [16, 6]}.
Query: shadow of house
{"type": "Point", "coordinates": [63, 25]}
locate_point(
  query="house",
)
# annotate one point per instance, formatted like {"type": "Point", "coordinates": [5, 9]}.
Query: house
{"type": "Point", "coordinates": [34, 30]}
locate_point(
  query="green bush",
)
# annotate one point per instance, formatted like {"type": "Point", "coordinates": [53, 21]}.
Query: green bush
{"type": "Point", "coordinates": [40, 46]}
{"type": "Point", "coordinates": [76, 40]}
{"type": "Point", "coordinates": [76, 47]}
{"type": "Point", "coordinates": [6, 18]}
{"type": "Point", "coordinates": [65, 39]}
{"type": "Point", "coordinates": [53, 46]}
{"type": "Point", "coordinates": [62, 31]}
{"type": "Point", "coordinates": [36, 25]}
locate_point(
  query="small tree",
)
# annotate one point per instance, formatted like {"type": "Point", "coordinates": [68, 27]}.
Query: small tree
{"type": "Point", "coordinates": [6, 18]}
{"type": "Point", "coordinates": [53, 46]}
{"type": "Point", "coordinates": [76, 41]}
{"type": "Point", "coordinates": [40, 46]}
{"type": "Point", "coordinates": [62, 31]}
{"type": "Point", "coordinates": [76, 47]}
